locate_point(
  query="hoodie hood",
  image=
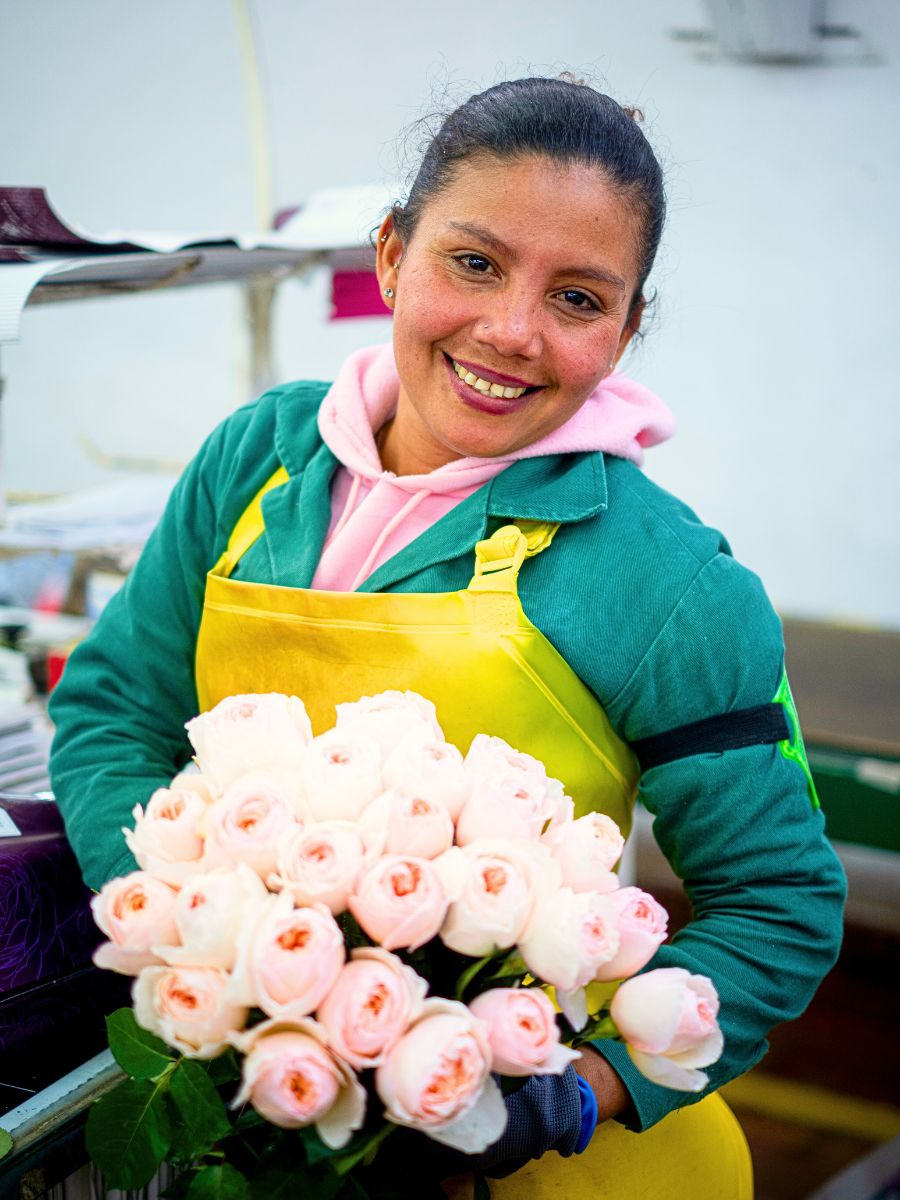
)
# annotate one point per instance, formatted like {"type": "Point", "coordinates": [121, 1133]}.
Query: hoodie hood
{"type": "Point", "coordinates": [375, 513]}
{"type": "Point", "coordinates": [620, 417]}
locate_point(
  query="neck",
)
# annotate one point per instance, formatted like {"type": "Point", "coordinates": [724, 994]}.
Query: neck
{"type": "Point", "coordinates": [406, 448]}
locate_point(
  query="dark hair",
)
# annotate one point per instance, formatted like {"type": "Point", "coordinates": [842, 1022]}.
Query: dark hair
{"type": "Point", "coordinates": [561, 119]}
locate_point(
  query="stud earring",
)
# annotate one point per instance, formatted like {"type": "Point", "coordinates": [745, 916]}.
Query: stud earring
{"type": "Point", "coordinates": [384, 238]}
{"type": "Point", "coordinates": [388, 293]}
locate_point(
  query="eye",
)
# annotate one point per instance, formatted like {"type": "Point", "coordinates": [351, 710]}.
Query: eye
{"type": "Point", "coordinates": [579, 301]}
{"type": "Point", "coordinates": [477, 264]}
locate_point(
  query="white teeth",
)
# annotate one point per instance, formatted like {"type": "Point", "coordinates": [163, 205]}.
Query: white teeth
{"type": "Point", "coordinates": [482, 385]}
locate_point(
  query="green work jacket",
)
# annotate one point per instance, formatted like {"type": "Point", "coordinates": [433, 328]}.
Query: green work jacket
{"type": "Point", "coordinates": [644, 602]}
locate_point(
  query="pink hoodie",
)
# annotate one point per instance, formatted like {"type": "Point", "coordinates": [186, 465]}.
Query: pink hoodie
{"type": "Point", "coordinates": [375, 513]}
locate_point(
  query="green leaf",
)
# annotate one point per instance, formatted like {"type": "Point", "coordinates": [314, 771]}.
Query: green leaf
{"type": "Point", "coordinates": [316, 1150]}
{"type": "Point", "coordinates": [223, 1069]}
{"type": "Point", "coordinates": [219, 1183]}
{"type": "Point", "coordinates": [128, 1132]}
{"type": "Point", "coordinates": [282, 1185]}
{"type": "Point", "coordinates": [201, 1116]}
{"type": "Point", "coordinates": [598, 1027]}
{"type": "Point", "coordinates": [512, 965]}
{"type": "Point", "coordinates": [469, 974]}
{"type": "Point", "coordinates": [361, 1149]}
{"type": "Point", "coordinates": [178, 1188]}
{"type": "Point", "coordinates": [139, 1053]}
{"type": "Point", "coordinates": [482, 1189]}
{"type": "Point", "coordinates": [6, 1143]}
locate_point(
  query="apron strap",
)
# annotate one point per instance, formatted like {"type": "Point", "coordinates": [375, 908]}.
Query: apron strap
{"type": "Point", "coordinates": [498, 558]}
{"type": "Point", "coordinates": [249, 527]}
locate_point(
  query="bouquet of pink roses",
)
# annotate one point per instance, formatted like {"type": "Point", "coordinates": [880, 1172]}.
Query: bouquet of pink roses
{"type": "Point", "coordinates": [334, 936]}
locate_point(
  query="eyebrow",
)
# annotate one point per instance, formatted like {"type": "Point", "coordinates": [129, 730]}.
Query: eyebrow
{"type": "Point", "coordinates": [489, 239]}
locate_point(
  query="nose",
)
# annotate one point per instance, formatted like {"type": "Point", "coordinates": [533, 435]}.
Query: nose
{"type": "Point", "coordinates": [510, 323]}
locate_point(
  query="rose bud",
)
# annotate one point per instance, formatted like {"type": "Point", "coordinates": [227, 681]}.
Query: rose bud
{"type": "Point", "coordinates": [642, 925]}
{"type": "Point", "coordinates": [522, 1031]}
{"type": "Point", "coordinates": [399, 902]}
{"type": "Point", "coordinates": [320, 864]}
{"type": "Point", "coordinates": [389, 718]}
{"type": "Point", "coordinates": [188, 1007]}
{"type": "Point", "coordinates": [250, 822]}
{"type": "Point", "coordinates": [210, 912]}
{"type": "Point", "coordinates": [136, 912]}
{"type": "Point", "coordinates": [167, 839]}
{"type": "Point", "coordinates": [292, 1080]}
{"type": "Point", "coordinates": [431, 769]}
{"type": "Point", "coordinates": [341, 774]}
{"type": "Point", "coordinates": [587, 850]}
{"type": "Point", "coordinates": [668, 1019]}
{"type": "Point", "coordinates": [437, 1079]}
{"type": "Point", "coordinates": [370, 1006]}
{"type": "Point", "coordinates": [289, 961]}
{"type": "Point", "coordinates": [243, 733]}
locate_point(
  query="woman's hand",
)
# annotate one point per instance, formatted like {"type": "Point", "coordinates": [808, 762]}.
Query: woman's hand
{"type": "Point", "coordinates": [612, 1098]}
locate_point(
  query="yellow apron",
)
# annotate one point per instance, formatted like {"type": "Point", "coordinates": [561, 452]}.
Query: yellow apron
{"type": "Point", "coordinates": [487, 669]}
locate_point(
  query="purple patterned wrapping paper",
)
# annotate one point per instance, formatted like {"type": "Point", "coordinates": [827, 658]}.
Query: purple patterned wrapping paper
{"type": "Point", "coordinates": [46, 929]}
{"type": "Point", "coordinates": [52, 999]}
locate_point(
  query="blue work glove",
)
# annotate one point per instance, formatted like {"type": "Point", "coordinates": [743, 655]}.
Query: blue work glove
{"type": "Point", "coordinates": [547, 1113]}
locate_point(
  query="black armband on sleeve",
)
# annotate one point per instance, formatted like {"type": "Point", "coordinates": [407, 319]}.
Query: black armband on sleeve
{"type": "Point", "coordinates": [763, 725]}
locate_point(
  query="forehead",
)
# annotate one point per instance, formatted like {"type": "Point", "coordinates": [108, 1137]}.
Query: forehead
{"type": "Point", "coordinates": [541, 210]}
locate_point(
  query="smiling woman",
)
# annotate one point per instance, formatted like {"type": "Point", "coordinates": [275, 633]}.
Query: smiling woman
{"type": "Point", "coordinates": [512, 300]}
{"type": "Point", "coordinates": [320, 539]}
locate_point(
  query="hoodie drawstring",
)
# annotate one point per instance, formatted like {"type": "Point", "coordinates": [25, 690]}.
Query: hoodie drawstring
{"type": "Point", "coordinates": [397, 519]}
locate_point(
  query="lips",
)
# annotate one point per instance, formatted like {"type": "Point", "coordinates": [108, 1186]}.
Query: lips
{"type": "Point", "coordinates": [493, 376]}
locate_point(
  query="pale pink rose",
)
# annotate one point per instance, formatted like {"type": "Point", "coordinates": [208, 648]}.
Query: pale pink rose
{"type": "Point", "coordinates": [190, 780]}
{"type": "Point", "coordinates": [587, 850]}
{"type": "Point", "coordinates": [642, 924]}
{"type": "Point", "coordinates": [436, 1078]}
{"type": "Point", "coordinates": [431, 769]}
{"type": "Point", "coordinates": [399, 902]}
{"type": "Point", "coordinates": [291, 1079]}
{"type": "Point", "coordinates": [289, 961]}
{"type": "Point", "coordinates": [389, 718]}
{"type": "Point", "coordinates": [244, 733]}
{"type": "Point", "coordinates": [510, 793]}
{"type": "Point", "coordinates": [251, 821]}
{"type": "Point", "coordinates": [571, 935]}
{"type": "Point", "coordinates": [370, 1006]}
{"type": "Point", "coordinates": [210, 912]}
{"type": "Point", "coordinates": [320, 864]}
{"type": "Point", "coordinates": [341, 774]}
{"type": "Point", "coordinates": [493, 900]}
{"type": "Point", "coordinates": [188, 1007]}
{"type": "Point", "coordinates": [668, 1019]}
{"type": "Point", "coordinates": [403, 822]}
{"type": "Point", "coordinates": [522, 1031]}
{"type": "Point", "coordinates": [167, 839]}
{"type": "Point", "coordinates": [136, 912]}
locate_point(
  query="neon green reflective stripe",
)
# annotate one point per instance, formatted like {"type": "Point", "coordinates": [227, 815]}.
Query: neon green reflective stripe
{"type": "Point", "coordinates": [793, 748]}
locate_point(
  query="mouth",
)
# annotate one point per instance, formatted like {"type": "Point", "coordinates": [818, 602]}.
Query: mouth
{"type": "Point", "coordinates": [485, 382]}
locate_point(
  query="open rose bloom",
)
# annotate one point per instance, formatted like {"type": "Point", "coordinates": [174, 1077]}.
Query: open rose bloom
{"type": "Point", "coordinates": [284, 888]}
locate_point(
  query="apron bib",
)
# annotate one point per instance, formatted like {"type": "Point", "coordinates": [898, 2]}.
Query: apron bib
{"type": "Point", "coordinates": [474, 653]}
{"type": "Point", "coordinates": [487, 669]}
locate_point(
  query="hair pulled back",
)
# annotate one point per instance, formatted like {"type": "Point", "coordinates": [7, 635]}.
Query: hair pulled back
{"type": "Point", "coordinates": [560, 119]}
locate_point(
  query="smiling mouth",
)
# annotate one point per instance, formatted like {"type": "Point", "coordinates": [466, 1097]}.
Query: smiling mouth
{"type": "Point", "coordinates": [485, 387]}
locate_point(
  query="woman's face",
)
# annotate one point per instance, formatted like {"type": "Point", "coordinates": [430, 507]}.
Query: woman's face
{"type": "Point", "coordinates": [518, 281]}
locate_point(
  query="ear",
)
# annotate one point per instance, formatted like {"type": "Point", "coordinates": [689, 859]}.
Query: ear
{"type": "Point", "coordinates": [388, 251]}
{"type": "Point", "coordinates": [632, 325]}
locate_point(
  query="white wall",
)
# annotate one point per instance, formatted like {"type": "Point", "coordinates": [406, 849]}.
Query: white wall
{"type": "Point", "coordinates": [776, 339]}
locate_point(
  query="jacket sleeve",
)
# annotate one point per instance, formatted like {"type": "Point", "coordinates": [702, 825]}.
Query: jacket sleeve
{"type": "Point", "coordinates": [741, 829]}
{"type": "Point", "coordinates": [127, 690]}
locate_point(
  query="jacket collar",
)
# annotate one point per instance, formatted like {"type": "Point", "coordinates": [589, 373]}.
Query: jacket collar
{"type": "Point", "coordinates": [556, 488]}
